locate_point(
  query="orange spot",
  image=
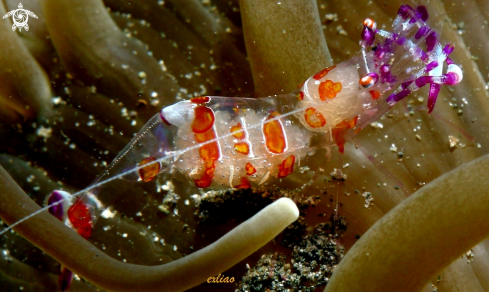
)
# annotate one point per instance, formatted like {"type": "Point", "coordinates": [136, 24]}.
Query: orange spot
{"type": "Point", "coordinates": [366, 81]}
{"type": "Point", "coordinates": [286, 167]}
{"type": "Point", "coordinates": [209, 151]}
{"type": "Point", "coordinates": [370, 23]}
{"type": "Point", "coordinates": [339, 131]}
{"type": "Point", "coordinates": [314, 118]}
{"type": "Point", "coordinates": [149, 172]}
{"type": "Point", "coordinates": [206, 179]}
{"type": "Point", "coordinates": [200, 99]}
{"type": "Point", "coordinates": [323, 73]}
{"type": "Point", "coordinates": [238, 132]}
{"type": "Point", "coordinates": [250, 169]}
{"type": "Point", "coordinates": [203, 121]}
{"type": "Point", "coordinates": [375, 94]}
{"type": "Point", "coordinates": [204, 137]}
{"type": "Point", "coordinates": [350, 124]}
{"type": "Point", "coordinates": [242, 148]}
{"type": "Point", "coordinates": [81, 218]}
{"type": "Point", "coordinates": [235, 109]}
{"type": "Point", "coordinates": [245, 184]}
{"type": "Point", "coordinates": [274, 134]}
{"type": "Point", "coordinates": [300, 96]}
{"type": "Point", "coordinates": [328, 89]}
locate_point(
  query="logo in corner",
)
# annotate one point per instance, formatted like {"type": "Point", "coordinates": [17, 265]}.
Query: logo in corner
{"type": "Point", "coordinates": [20, 17]}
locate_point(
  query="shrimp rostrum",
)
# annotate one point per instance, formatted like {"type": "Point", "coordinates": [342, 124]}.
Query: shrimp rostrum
{"type": "Point", "coordinates": [230, 142]}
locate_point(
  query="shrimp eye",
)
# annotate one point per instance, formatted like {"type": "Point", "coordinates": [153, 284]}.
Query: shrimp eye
{"type": "Point", "coordinates": [370, 23]}
{"type": "Point", "coordinates": [369, 80]}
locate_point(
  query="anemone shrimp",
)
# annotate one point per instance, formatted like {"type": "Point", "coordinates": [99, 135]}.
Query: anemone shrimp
{"type": "Point", "coordinates": [215, 142]}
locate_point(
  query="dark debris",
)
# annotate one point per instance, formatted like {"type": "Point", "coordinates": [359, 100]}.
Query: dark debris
{"type": "Point", "coordinates": [314, 258]}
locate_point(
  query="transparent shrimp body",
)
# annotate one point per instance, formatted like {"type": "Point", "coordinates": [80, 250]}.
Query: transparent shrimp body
{"type": "Point", "coordinates": [232, 142]}
{"type": "Point", "coordinates": [254, 140]}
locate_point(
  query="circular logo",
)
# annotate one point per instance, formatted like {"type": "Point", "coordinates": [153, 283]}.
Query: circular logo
{"type": "Point", "coordinates": [20, 17]}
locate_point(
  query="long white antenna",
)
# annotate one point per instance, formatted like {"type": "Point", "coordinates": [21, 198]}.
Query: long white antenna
{"type": "Point", "coordinates": [172, 155]}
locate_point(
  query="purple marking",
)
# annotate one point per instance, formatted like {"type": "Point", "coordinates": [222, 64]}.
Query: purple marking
{"type": "Point", "coordinates": [368, 36]}
{"type": "Point", "coordinates": [449, 61]}
{"type": "Point", "coordinates": [431, 41]}
{"type": "Point", "coordinates": [374, 76]}
{"type": "Point", "coordinates": [56, 210]}
{"type": "Point", "coordinates": [402, 94]}
{"type": "Point", "coordinates": [64, 278]}
{"type": "Point", "coordinates": [423, 80]}
{"type": "Point", "coordinates": [423, 56]}
{"type": "Point", "coordinates": [434, 89]}
{"type": "Point", "coordinates": [422, 13]}
{"type": "Point", "coordinates": [405, 11]}
{"type": "Point", "coordinates": [393, 98]}
{"type": "Point", "coordinates": [390, 99]}
{"type": "Point", "coordinates": [385, 74]}
{"type": "Point", "coordinates": [448, 49]}
{"type": "Point", "coordinates": [380, 52]}
{"type": "Point", "coordinates": [400, 40]}
{"type": "Point", "coordinates": [431, 66]}
{"type": "Point", "coordinates": [422, 31]}
{"type": "Point", "coordinates": [406, 84]}
{"type": "Point", "coordinates": [164, 119]}
{"type": "Point", "coordinates": [395, 36]}
{"type": "Point", "coordinates": [385, 69]}
{"type": "Point", "coordinates": [383, 49]}
{"type": "Point", "coordinates": [446, 79]}
{"type": "Point", "coordinates": [450, 78]}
